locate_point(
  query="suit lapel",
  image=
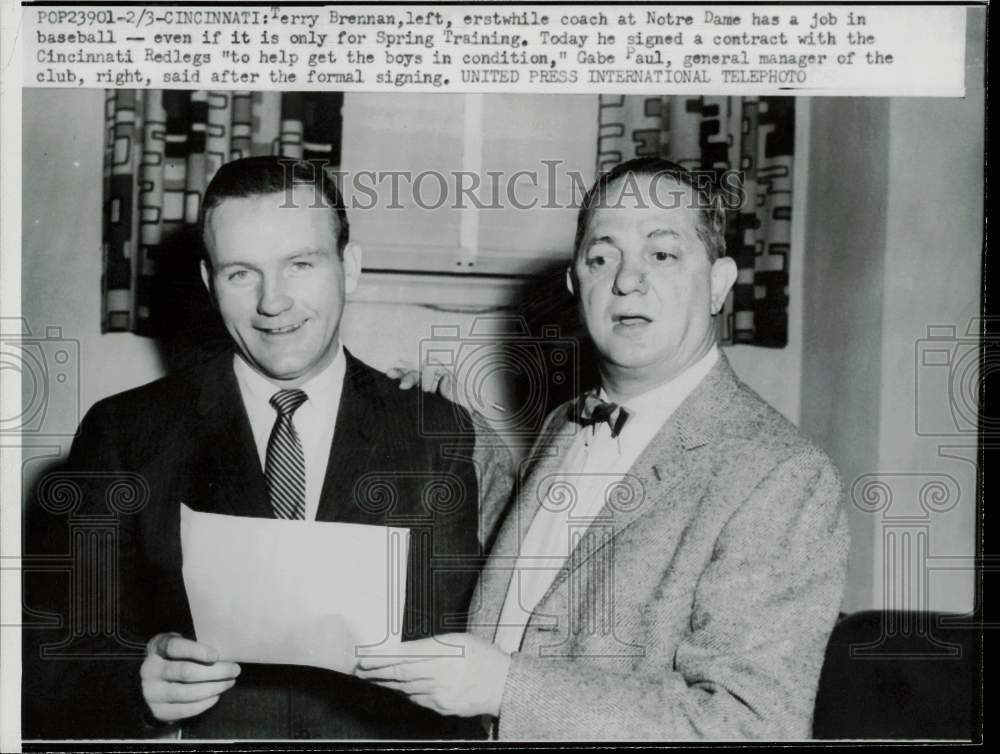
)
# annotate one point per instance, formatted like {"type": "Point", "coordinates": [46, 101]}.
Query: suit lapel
{"type": "Point", "coordinates": [543, 460]}
{"type": "Point", "coordinates": [646, 486]}
{"type": "Point", "coordinates": [664, 463]}
{"type": "Point", "coordinates": [355, 441]}
{"type": "Point", "coordinates": [226, 468]}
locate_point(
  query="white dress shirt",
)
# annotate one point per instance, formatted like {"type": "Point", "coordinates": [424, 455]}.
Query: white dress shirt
{"type": "Point", "coordinates": [594, 462]}
{"type": "Point", "coordinates": [314, 420]}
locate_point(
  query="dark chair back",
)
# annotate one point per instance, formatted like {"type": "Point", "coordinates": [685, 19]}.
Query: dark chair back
{"type": "Point", "coordinates": [899, 675]}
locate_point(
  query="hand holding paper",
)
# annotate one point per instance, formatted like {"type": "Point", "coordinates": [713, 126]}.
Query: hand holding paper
{"type": "Point", "coordinates": [182, 678]}
{"type": "Point", "coordinates": [453, 674]}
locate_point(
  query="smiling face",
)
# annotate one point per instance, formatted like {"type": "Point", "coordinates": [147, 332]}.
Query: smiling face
{"type": "Point", "coordinates": [647, 290]}
{"type": "Point", "coordinates": [279, 282]}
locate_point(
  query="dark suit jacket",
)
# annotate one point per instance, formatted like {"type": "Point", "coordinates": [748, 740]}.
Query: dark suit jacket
{"type": "Point", "coordinates": [397, 458]}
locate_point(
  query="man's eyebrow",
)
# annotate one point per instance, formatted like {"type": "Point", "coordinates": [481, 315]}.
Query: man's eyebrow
{"type": "Point", "coordinates": [290, 257]}
{"type": "Point", "coordinates": [601, 239]}
{"type": "Point", "coordinates": [659, 232]}
{"type": "Point", "coordinates": [227, 265]}
{"type": "Point", "coordinates": [307, 253]}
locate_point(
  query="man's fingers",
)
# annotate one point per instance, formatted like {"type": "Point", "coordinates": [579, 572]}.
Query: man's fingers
{"type": "Point", "coordinates": [446, 388]}
{"type": "Point", "coordinates": [401, 371]}
{"type": "Point", "coordinates": [408, 687]}
{"type": "Point", "coordinates": [169, 713]}
{"type": "Point", "coordinates": [433, 378]}
{"type": "Point", "coordinates": [430, 378]}
{"type": "Point", "coordinates": [158, 644]}
{"type": "Point", "coordinates": [194, 672]}
{"type": "Point", "coordinates": [407, 671]}
{"type": "Point", "coordinates": [407, 377]}
{"type": "Point", "coordinates": [173, 646]}
{"type": "Point", "coordinates": [430, 702]}
{"type": "Point", "coordinates": [176, 647]}
{"type": "Point", "coordinates": [374, 662]}
{"type": "Point", "coordinates": [184, 693]}
{"type": "Point", "coordinates": [418, 650]}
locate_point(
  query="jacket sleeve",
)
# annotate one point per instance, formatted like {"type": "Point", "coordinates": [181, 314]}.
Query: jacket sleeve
{"type": "Point", "coordinates": [85, 671]}
{"type": "Point", "coordinates": [749, 664]}
{"type": "Point", "coordinates": [495, 476]}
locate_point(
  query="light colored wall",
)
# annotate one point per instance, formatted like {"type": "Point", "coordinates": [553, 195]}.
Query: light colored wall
{"type": "Point", "coordinates": [841, 358]}
{"type": "Point", "coordinates": [895, 247]}
{"type": "Point", "coordinates": [932, 270]}
{"type": "Point", "coordinates": [63, 145]}
{"type": "Point", "coordinates": [934, 248]}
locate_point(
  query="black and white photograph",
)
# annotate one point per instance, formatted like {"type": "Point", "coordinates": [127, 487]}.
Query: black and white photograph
{"type": "Point", "coordinates": [548, 401]}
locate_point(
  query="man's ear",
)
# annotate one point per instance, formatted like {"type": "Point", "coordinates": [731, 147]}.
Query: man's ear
{"type": "Point", "coordinates": [352, 267]}
{"type": "Point", "coordinates": [206, 277]}
{"type": "Point", "coordinates": [569, 281]}
{"type": "Point", "coordinates": [723, 277]}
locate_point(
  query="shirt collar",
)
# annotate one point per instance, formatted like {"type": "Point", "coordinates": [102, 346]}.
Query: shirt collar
{"type": "Point", "coordinates": [660, 402]}
{"type": "Point", "coordinates": [322, 389]}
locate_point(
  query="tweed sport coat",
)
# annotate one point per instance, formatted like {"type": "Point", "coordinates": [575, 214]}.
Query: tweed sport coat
{"type": "Point", "coordinates": [699, 604]}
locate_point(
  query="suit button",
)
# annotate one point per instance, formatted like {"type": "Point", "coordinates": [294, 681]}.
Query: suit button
{"type": "Point", "coordinates": [303, 733]}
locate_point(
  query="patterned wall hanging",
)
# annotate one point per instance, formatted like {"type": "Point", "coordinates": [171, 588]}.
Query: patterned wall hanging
{"type": "Point", "coordinates": [162, 147]}
{"type": "Point", "coordinates": [752, 135]}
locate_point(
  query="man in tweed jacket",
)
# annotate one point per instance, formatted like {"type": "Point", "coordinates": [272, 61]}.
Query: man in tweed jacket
{"type": "Point", "coordinates": [675, 558]}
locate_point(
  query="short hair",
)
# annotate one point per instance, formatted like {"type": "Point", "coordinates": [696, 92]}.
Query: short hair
{"type": "Point", "coordinates": [711, 226]}
{"type": "Point", "coordinates": [271, 174]}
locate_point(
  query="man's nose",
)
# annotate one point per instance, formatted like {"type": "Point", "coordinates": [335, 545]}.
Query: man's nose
{"type": "Point", "coordinates": [274, 298]}
{"type": "Point", "coordinates": [630, 278]}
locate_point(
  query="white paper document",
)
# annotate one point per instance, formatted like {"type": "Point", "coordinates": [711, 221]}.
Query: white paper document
{"type": "Point", "coordinates": [293, 592]}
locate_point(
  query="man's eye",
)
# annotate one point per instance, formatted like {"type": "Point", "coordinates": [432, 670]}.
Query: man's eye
{"type": "Point", "coordinates": [299, 266]}
{"type": "Point", "coordinates": [596, 261]}
{"type": "Point", "coordinates": [238, 276]}
{"type": "Point", "coordinates": [664, 256]}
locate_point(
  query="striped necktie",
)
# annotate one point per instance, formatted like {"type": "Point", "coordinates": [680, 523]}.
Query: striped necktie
{"type": "Point", "coordinates": [284, 465]}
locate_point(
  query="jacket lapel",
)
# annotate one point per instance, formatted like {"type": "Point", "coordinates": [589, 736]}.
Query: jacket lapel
{"type": "Point", "coordinates": [646, 486]}
{"type": "Point", "coordinates": [665, 463]}
{"type": "Point", "coordinates": [355, 441]}
{"type": "Point", "coordinates": [544, 459]}
{"type": "Point", "coordinates": [226, 471]}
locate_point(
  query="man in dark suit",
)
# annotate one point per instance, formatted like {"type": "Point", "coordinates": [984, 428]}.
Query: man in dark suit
{"type": "Point", "coordinates": [676, 556]}
{"type": "Point", "coordinates": [287, 425]}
